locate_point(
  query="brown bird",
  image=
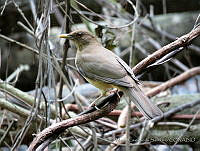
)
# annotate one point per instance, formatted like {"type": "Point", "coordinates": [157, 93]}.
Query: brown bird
{"type": "Point", "coordinates": [105, 70]}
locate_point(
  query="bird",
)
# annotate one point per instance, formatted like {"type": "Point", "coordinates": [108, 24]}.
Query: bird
{"type": "Point", "coordinates": [106, 71]}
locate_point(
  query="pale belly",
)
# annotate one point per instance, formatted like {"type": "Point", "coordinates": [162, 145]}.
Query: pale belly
{"type": "Point", "coordinates": [104, 87]}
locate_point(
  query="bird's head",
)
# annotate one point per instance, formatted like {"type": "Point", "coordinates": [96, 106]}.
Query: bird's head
{"type": "Point", "coordinates": [81, 38]}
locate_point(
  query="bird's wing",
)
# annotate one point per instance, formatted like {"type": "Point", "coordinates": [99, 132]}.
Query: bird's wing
{"type": "Point", "coordinates": [127, 68]}
{"type": "Point", "coordinates": [103, 66]}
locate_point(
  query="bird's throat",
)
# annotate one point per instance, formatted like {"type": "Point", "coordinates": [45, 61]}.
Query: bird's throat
{"type": "Point", "coordinates": [85, 45]}
{"type": "Point", "coordinates": [81, 46]}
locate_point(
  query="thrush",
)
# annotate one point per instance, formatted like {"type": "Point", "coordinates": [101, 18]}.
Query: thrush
{"type": "Point", "coordinates": [105, 70]}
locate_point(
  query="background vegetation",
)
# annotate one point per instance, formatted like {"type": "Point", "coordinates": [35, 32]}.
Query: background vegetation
{"type": "Point", "coordinates": [40, 86]}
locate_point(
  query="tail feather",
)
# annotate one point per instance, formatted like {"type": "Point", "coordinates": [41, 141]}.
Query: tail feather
{"type": "Point", "coordinates": [142, 102]}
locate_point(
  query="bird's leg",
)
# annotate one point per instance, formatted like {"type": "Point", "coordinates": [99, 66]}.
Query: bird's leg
{"type": "Point", "coordinates": [114, 90]}
{"type": "Point", "coordinates": [104, 93]}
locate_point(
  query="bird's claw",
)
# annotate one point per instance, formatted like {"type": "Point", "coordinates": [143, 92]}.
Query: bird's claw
{"type": "Point", "coordinates": [115, 90]}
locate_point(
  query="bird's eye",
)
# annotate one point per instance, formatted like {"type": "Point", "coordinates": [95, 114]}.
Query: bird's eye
{"type": "Point", "coordinates": [79, 34]}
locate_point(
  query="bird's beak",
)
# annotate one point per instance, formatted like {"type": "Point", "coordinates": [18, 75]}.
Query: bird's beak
{"type": "Point", "coordinates": [67, 36]}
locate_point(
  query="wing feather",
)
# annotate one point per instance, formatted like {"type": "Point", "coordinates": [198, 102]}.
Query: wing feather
{"type": "Point", "coordinates": [128, 69]}
{"type": "Point", "coordinates": [106, 68]}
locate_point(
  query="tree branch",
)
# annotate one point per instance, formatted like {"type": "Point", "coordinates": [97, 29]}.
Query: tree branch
{"type": "Point", "coordinates": [183, 41]}
{"type": "Point", "coordinates": [57, 128]}
{"type": "Point", "coordinates": [180, 78]}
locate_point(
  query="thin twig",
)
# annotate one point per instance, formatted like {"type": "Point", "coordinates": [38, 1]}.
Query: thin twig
{"type": "Point", "coordinates": [4, 6]}
{"type": "Point", "coordinates": [133, 36]}
{"type": "Point", "coordinates": [19, 43]}
{"type": "Point", "coordinates": [188, 127]}
{"type": "Point", "coordinates": [25, 28]}
{"type": "Point", "coordinates": [22, 14]}
{"type": "Point", "coordinates": [107, 26]}
{"type": "Point", "coordinates": [7, 131]}
{"type": "Point", "coordinates": [66, 47]}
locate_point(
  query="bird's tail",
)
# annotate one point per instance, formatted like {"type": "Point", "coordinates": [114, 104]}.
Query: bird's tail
{"type": "Point", "coordinates": [142, 102]}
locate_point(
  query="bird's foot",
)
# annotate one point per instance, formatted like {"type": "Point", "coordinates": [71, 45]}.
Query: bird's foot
{"type": "Point", "coordinates": [114, 90]}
